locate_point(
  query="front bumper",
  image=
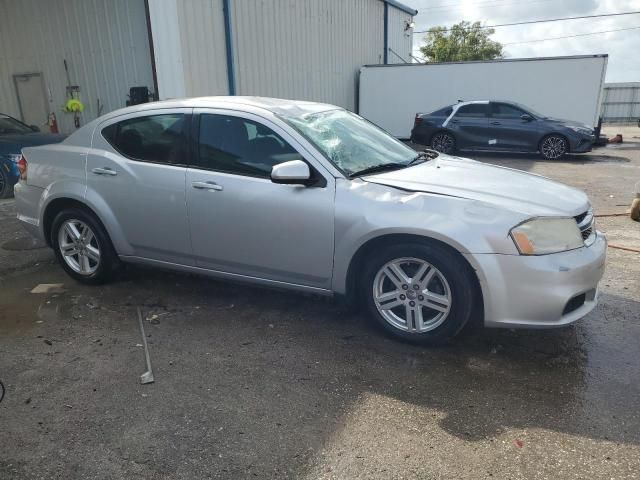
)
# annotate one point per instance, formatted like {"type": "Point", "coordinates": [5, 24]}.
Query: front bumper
{"type": "Point", "coordinates": [540, 291]}
{"type": "Point", "coordinates": [11, 170]}
{"type": "Point", "coordinates": [582, 144]}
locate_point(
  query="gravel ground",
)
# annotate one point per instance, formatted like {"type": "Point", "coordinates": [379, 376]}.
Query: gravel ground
{"type": "Point", "coordinates": [255, 383]}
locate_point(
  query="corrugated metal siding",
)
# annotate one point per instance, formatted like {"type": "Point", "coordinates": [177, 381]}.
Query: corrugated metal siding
{"type": "Point", "coordinates": [104, 41]}
{"type": "Point", "coordinates": [305, 49]}
{"type": "Point", "coordinates": [167, 48]}
{"type": "Point", "coordinates": [203, 47]}
{"type": "Point", "coordinates": [400, 41]}
{"type": "Point", "coordinates": [621, 102]}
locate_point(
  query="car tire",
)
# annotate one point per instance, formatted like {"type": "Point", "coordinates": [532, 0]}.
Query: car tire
{"type": "Point", "coordinates": [431, 304]}
{"type": "Point", "coordinates": [83, 247]}
{"type": "Point", "coordinates": [443, 142]}
{"type": "Point", "coordinates": [553, 147]}
{"type": "Point", "coordinates": [6, 190]}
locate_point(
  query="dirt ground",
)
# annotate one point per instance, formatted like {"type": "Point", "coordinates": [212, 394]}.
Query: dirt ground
{"type": "Point", "coordinates": [256, 383]}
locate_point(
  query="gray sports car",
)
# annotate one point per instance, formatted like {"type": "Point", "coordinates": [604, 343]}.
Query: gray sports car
{"type": "Point", "coordinates": [500, 126]}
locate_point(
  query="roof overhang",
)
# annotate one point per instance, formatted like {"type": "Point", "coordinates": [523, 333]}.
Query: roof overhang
{"type": "Point", "coordinates": [400, 6]}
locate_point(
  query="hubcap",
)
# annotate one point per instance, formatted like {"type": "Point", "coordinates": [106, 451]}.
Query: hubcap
{"type": "Point", "coordinates": [79, 247]}
{"type": "Point", "coordinates": [442, 143]}
{"type": "Point", "coordinates": [554, 147]}
{"type": "Point", "coordinates": [412, 295]}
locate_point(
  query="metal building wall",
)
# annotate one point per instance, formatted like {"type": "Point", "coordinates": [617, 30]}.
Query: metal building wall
{"type": "Point", "coordinates": [203, 47]}
{"type": "Point", "coordinates": [400, 40]}
{"type": "Point", "coordinates": [621, 102]}
{"type": "Point", "coordinates": [104, 42]}
{"type": "Point", "coordinates": [305, 49]}
{"type": "Point", "coordinates": [167, 48]}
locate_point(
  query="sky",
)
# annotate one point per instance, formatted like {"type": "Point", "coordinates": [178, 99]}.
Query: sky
{"type": "Point", "coordinates": [623, 47]}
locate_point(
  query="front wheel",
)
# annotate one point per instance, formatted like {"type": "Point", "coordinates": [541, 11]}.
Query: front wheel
{"type": "Point", "coordinates": [418, 292]}
{"type": "Point", "coordinates": [553, 147]}
{"type": "Point", "coordinates": [83, 247]}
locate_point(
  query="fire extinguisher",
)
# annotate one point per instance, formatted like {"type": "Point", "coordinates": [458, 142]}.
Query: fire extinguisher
{"type": "Point", "coordinates": [53, 123]}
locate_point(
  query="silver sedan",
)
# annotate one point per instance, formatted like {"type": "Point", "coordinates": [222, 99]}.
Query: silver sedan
{"type": "Point", "coordinates": [311, 197]}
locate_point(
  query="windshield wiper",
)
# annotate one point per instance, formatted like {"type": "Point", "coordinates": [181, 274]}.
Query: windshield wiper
{"type": "Point", "coordinates": [423, 156]}
{"type": "Point", "coordinates": [384, 167]}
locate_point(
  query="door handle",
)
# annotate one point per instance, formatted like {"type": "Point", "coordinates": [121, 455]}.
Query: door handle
{"type": "Point", "coordinates": [104, 171]}
{"type": "Point", "coordinates": [454, 121]}
{"type": "Point", "coordinates": [496, 123]}
{"type": "Point", "coordinates": [207, 186]}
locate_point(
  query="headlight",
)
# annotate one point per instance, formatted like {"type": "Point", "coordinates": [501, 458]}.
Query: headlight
{"type": "Point", "coordinates": [582, 130]}
{"type": "Point", "coordinates": [542, 236]}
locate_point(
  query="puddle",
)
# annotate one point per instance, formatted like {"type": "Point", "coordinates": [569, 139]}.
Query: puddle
{"type": "Point", "coordinates": [21, 310]}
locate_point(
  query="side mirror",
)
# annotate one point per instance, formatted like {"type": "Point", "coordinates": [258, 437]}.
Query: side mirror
{"type": "Point", "coordinates": [294, 172]}
{"type": "Point", "coordinates": [34, 128]}
{"type": "Point", "coordinates": [526, 117]}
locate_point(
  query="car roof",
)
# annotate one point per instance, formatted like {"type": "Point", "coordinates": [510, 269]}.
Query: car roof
{"type": "Point", "coordinates": [471, 102]}
{"type": "Point", "coordinates": [275, 105]}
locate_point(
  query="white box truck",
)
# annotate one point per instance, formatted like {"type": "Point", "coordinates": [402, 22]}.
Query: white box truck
{"type": "Point", "coordinates": [561, 87]}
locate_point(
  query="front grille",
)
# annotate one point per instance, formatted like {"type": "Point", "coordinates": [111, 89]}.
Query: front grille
{"type": "Point", "coordinates": [585, 223]}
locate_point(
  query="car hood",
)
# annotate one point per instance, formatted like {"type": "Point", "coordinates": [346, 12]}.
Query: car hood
{"type": "Point", "coordinates": [13, 143]}
{"type": "Point", "coordinates": [568, 123]}
{"type": "Point", "coordinates": [502, 187]}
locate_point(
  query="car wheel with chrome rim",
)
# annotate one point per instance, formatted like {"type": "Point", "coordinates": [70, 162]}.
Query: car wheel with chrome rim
{"type": "Point", "coordinates": [82, 246]}
{"type": "Point", "coordinates": [443, 142]}
{"type": "Point", "coordinates": [553, 147]}
{"type": "Point", "coordinates": [419, 292]}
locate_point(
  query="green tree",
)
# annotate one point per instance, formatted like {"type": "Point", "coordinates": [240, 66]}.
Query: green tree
{"type": "Point", "coordinates": [464, 41]}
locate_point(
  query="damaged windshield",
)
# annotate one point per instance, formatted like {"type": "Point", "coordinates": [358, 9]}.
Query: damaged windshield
{"type": "Point", "coordinates": [353, 144]}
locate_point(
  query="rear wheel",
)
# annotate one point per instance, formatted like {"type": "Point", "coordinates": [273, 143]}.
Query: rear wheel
{"type": "Point", "coordinates": [443, 142]}
{"type": "Point", "coordinates": [83, 247]}
{"type": "Point", "coordinates": [5, 188]}
{"type": "Point", "coordinates": [553, 147]}
{"type": "Point", "coordinates": [420, 293]}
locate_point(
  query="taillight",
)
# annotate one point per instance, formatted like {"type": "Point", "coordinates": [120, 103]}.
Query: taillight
{"type": "Point", "coordinates": [417, 120]}
{"type": "Point", "coordinates": [22, 166]}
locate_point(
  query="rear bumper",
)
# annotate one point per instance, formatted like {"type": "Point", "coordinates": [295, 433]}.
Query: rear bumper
{"type": "Point", "coordinates": [540, 292]}
{"type": "Point", "coordinates": [28, 207]}
{"type": "Point", "coordinates": [421, 135]}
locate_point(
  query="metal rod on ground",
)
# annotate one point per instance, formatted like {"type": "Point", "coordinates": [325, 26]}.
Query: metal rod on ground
{"type": "Point", "coordinates": [146, 377]}
{"type": "Point", "coordinates": [628, 249]}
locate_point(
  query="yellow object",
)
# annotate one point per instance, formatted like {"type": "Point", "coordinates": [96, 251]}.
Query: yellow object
{"type": "Point", "coordinates": [73, 105]}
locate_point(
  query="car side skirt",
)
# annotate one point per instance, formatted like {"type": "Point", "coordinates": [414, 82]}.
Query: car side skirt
{"type": "Point", "coordinates": [235, 277]}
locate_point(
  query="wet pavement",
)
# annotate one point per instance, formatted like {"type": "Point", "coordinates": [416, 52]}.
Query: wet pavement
{"type": "Point", "coordinates": [257, 383]}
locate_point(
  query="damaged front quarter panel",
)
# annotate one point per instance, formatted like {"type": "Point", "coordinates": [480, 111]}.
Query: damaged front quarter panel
{"type": "Point", "coordinates": [366, 210]}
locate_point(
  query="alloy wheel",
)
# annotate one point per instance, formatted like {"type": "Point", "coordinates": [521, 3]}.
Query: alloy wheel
{"type": "Point", "coordinates": [442, 142]}
{"type": "Point", "coordinates": [412, 295]}
{"type": "Point", "coordinates": [79, 247]}
{"type": "Point", "coordinates": [554, 147]}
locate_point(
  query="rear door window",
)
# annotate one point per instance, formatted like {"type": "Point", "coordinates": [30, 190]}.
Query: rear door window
{"type": "Point", "coordinates": [240, 146]}
{"type": "Point", "coordinates": [154, 138]}
{"type": "Point", "coordinates": [473, 110]}
{"type": "Point", "coordinates": [506, 111]}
